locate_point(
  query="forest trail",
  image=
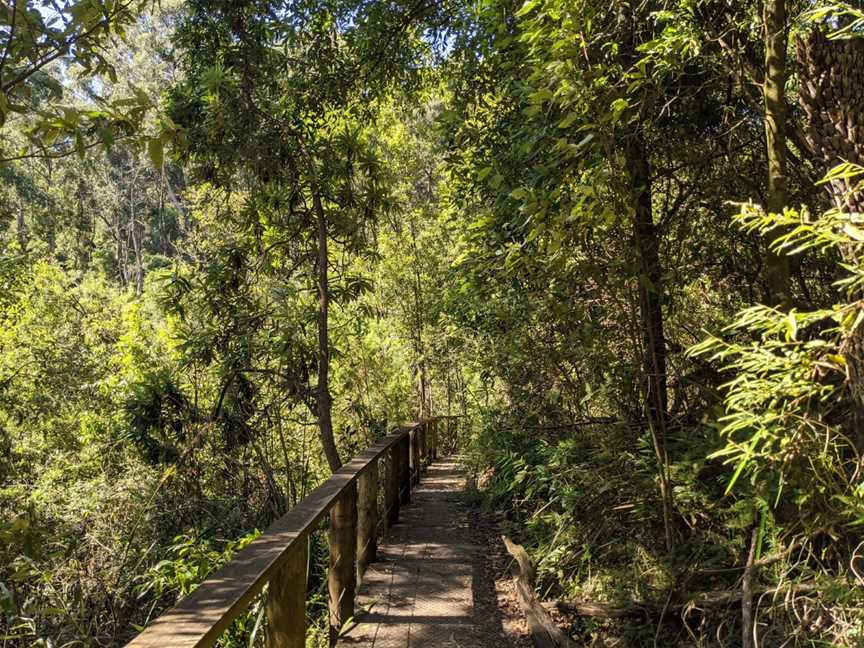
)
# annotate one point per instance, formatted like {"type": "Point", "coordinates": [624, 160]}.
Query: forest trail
{"type": "Point", "coordinates": [430, 586]}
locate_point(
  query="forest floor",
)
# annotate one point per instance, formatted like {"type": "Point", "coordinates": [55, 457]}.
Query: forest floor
{"type": "Point", "coordinates": [496, 576]}
{"type": "Point", "coordinates": [441, 578]}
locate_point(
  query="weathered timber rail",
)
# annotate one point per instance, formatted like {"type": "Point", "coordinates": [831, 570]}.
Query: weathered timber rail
{"type": "Point", "coordinates": [279, 556]}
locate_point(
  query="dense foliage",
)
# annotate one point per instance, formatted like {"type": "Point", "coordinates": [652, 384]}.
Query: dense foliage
{"type": "Point", "coordinates": [240, 241]}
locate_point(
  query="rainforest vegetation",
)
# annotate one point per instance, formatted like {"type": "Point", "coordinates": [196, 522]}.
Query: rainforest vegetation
{"type": "Point", "coordinates": [622, 240]}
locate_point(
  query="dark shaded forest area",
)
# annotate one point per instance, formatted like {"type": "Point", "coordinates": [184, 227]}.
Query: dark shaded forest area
{"type": "Point", "coordinates": [622, 241]}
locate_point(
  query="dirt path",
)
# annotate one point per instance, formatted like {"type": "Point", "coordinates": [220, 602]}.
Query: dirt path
{"type": "Point", "coordinates": [439, 580]}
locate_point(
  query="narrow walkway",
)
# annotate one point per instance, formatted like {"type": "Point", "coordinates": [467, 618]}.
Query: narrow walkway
{"type": "Point", "coordinates": [429, 586]}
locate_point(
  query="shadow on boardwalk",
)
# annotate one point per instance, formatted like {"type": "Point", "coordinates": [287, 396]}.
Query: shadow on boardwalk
{"type": "Point", "coordinates": [430, 586]}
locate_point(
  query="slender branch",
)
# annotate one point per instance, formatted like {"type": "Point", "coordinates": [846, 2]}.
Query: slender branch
{"type": "Point", "coordinates": [57, 155]}
{"type": "Point", "coordinates": [747, 639]}
{"type": "Point", "coordinates": [63, 48]}
{"type": "Point", "coordinates": [8, 48]}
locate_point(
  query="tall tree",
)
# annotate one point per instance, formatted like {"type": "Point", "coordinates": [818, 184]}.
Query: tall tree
{"type": "Point", "coordinates": [832, 69]}
{"type": "Point", "coordinates": [600, 112]}
{"type": "Point", "coordinates": [277, 100]}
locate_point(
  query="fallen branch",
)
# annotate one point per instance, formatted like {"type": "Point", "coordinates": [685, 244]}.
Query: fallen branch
{"type": "Point", "coordinates": [544, 632]}
{"type": "Point", "coordinates": [747, 640]}
{"type": "Point", "coordinates": [725, 597]}
{"type": "Point", "coordinates": [761, 562]}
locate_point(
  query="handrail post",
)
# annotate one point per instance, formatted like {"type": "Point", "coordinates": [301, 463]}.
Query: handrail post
{"type": "Point", "coordinates": [342, 576]}
{"type": "Point", "coordinates": [453, 434]}
{"type": "Point", "coordinates": [405, 470]}
{"type": "Point", "coordinates": [433, 446]}
{"type": "Point", "coordinates": [367, 518]}
{"type": "Point", "coordinates": [421, 448]}
{"type": "Point", "coordinates": [286, 599]}
{"type": "Point", "coordinates": [415, 456]}
{"type": "Point", "coordinates": [391, 491]}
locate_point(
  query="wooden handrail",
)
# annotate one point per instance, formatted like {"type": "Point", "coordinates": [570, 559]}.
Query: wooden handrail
{"type": "Point", "coordinates": [200, 618]}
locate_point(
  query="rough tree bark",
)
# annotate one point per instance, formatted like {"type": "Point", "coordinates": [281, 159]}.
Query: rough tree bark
{"type": "Point", "coordinates": [832, 75]}
{"type": "Point", "coordinates": [774, 24]}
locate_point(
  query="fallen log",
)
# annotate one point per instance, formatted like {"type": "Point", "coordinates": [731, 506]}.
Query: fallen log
{"type": "Point", "coordinates": [544, 632]}
{"type": "Point", "coordinates": [682, 604]}
{"type": "Point", "coordinates": [604, 610]}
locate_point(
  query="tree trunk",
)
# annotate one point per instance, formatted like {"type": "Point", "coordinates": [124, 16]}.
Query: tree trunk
{"type": "Point", "coordinates": [121, 255]}
{"type": "Point", "coordinates": [774, 22]}
{"type": "Point", "coordinates": [139, 261]}
{"type": "Point", "coordinates": [747, 638]}
{"type": "Point", "coordinates": [647, 248]}
{"type": "Point", "coordinates": [831, 72]}
{"type": "Point", "coordinates": [418, 330]}
{"type": "Point", "coordinates": [325, 420]}
{"type": "Point", "coordinates": [21, 228]}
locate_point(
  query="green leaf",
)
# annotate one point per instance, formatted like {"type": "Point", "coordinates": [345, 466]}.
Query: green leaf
{"type": "Point", "coordinates": [853, 232]}
{"type": "Point", "coordinates": [5, 599]}
{"type": "Point", "coordinates": [585, 140]}
{"type": "Point", "coordinates": [618, 107]}
{"type": "Point", "coordinates": [527, 7]}
{"type": "Point", "coordinates": [791, 326]}
{"type": "Point", "coordinates": [156, 151]}
{"type": "Point", "coordinates": [568, 121]}
{"type": "Point", "coordinates": [79, 145]}
{"type": "Point", "coordinates": [107, 137]}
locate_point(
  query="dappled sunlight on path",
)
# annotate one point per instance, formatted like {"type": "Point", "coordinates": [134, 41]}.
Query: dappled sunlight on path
{"type": "Point", "coordinates": [428, 586]}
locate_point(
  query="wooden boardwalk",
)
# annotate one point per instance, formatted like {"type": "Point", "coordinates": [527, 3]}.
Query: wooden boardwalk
{"type": "Point", "coordinates": [432, 585]}
{"type": "Point", "coordinates": [428, 587]}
